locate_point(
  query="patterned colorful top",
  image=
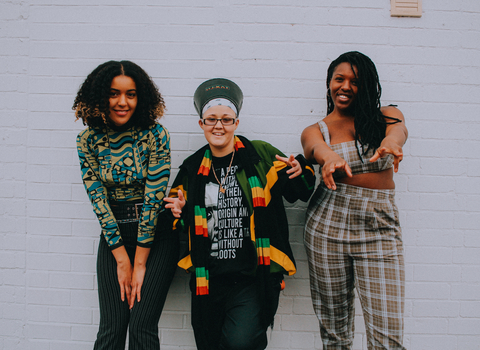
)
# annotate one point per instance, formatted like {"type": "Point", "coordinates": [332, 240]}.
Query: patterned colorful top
{"type": "Point", "coordinates": [127, 165]}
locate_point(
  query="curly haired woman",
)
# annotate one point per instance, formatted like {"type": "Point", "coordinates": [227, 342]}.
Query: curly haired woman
{"type": "Point", "coordinates": [125, 163]}
{"type": "Point", "coordinates": [353, 237]}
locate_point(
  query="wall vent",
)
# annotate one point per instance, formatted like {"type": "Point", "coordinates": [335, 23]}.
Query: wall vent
{"type": "Point", "coordinates": [406, 8]}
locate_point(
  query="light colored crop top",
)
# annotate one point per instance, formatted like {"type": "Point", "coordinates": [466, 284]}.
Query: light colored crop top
{"type": "Point", "coordinates": [349, 153]}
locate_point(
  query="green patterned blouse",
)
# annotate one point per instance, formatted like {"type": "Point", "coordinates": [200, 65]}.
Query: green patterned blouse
{"type": "Point", "coordinates": [128, 165]}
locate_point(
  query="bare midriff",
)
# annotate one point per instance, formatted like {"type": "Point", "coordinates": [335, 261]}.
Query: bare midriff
{"type": "Point", "coordinates": [381, 180]}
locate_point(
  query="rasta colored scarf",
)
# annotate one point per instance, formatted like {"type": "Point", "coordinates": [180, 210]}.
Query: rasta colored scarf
{"type": "Point", "coordinates": [247, 158]}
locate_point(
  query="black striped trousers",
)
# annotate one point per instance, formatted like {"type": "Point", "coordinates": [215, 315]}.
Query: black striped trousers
{"type": "Point", "coordinates": [142, 320]}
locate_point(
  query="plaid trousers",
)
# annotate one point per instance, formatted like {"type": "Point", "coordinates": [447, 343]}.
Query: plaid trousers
{"type": "Point", "coordinates": [353, 240]}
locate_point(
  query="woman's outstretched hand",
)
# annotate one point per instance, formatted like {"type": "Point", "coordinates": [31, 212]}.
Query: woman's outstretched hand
{"type": "Point", "coordinates": [296, 168]}
{"type": "Point", "coordinates": [333, 163]}
{"type": "Point", "coordinates": [389, 147]}
{"type": "Point", "coordinates": [176, 204]}
{"type": "Point", "coordinates": [395, 137]}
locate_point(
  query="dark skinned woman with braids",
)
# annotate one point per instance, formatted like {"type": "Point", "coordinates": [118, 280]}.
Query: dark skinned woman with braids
{"type": "Point", "coordinates": [352, 235]}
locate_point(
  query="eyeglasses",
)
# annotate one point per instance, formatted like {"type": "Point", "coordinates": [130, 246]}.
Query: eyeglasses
{"type": "Point", "coordinates": [214, 121]}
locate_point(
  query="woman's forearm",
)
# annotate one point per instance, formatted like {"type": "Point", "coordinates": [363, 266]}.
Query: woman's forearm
{"type": "Point", "coordinates": [141, 256]}
{"type": "Point", "coordinates": [121, 255]}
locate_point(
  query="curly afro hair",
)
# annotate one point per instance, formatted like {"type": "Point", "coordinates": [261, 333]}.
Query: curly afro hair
{"type": "Point", "coordinates": [370, 124]}
{"type": "Point", "coordinates": [92, 100]}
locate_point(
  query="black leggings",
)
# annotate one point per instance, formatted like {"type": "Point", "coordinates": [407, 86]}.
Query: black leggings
{"type": "Point", "coordinates": [142, 320]}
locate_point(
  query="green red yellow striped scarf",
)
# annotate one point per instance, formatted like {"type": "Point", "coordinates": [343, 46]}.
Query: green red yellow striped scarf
{"type": "Point", "coordinates": [201, 230]}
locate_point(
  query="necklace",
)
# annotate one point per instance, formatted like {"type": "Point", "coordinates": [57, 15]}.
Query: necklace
{"type": "Point", "coordinates": [228, 171]}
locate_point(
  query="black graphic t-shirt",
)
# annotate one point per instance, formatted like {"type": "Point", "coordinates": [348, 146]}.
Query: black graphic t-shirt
{"type": "Point", "coordinates": [228, 221]}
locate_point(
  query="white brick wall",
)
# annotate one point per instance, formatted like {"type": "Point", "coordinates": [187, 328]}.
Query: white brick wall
{"type": "Point", "coordinates": [278, 52]}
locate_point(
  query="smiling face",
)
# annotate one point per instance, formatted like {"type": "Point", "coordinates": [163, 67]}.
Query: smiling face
{"type": "Point", "coordinates": [123, 99]}
{"type": "Point", "coordinates": [219, 136]}
{"type": "Point", "coordinates": [343, 87]}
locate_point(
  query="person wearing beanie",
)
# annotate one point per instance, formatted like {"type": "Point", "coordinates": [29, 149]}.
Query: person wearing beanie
{"type": "Point", "coordinates": [227, 199]}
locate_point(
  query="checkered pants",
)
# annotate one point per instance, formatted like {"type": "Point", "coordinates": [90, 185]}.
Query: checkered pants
{"type": "Point", "coordinates": [353, 240]}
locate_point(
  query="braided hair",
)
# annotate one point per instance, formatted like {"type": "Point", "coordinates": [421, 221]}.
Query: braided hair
{"type": "Point", "coordinates": [369, 122]}
{"type": "Point", "coordinates": [92, 100]}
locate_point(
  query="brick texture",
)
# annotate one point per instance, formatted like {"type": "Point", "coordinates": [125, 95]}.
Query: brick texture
{"type": "Point", "coordinates": [278, 52]}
